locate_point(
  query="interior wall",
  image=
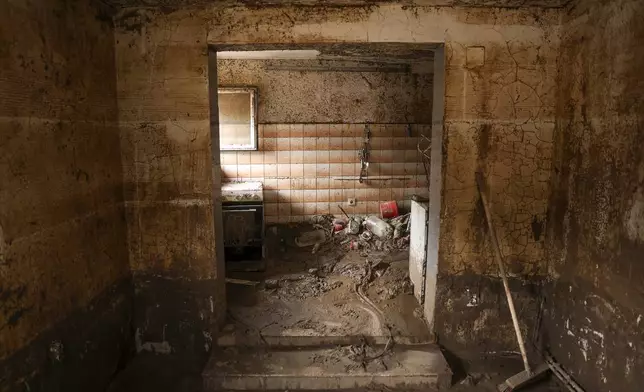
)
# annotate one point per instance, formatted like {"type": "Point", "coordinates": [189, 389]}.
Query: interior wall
{"type": "Point", "coordinates": [593, 319]}
{"type": "Point", "coordinates": [311, 97]}
{"type": "Point", "coordinates": [499, 116]}
{"type": "Point", "coordinates": [64, 293]}
{"type": "Point", "coordinates": [326, 113]}
{"type": "Point", "coordinates": [168, 174]}
{"type": "Point", "coordinates": [499, 119]}
{"type": "Point", "coordinates": [310, 169]}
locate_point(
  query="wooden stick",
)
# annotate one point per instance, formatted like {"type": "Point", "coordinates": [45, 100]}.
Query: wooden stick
{"type": "Point", "coordinates": [242, 282]}
{"type": "Point", "coordinates": [480, 182]}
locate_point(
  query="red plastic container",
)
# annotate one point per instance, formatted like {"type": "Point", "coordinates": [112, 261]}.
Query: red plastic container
{"type": "Point", "coordinates": [388, 209]}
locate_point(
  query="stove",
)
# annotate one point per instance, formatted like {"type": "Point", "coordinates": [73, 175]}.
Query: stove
{"type": "Point", "coordinates": [243, 215]}
{"type": "Point", "coordinates": [250, 191]}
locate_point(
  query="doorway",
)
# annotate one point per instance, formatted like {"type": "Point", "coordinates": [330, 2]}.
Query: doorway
{"type": "Point", "coordinates": [340, 129]}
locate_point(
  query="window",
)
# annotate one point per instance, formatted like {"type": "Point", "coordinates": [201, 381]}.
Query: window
{"type": "Point", "coordinates": [237, 118]}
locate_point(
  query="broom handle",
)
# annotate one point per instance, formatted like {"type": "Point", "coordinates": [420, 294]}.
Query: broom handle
{"type": "Point", "coordinates": [480, 182]}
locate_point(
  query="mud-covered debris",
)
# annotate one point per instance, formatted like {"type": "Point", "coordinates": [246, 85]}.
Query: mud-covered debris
{"type": "Point", "coordinates": [474, 379]}
{"type": "Point", "coordinates": [387, 293]}
{"type": "Point", "coordinates": [309, 238]}
{"type": "Point", "coordinates": [378, 267]}
{"type": "Point", "coordinates": [354, 271]}
{"type": "Point", "coordinates": [366, 236]}
{"type": "Point", "coordinates": [322, 220]}
{"type": "Point", "coordinates": [271, 284]}
{"type": "Point", "coordinates": [400, 220]}
{"type": "Point", "coordinates": [353, 226]}
{"type": "Point", "coordinates": [327, 265]}
{"type": "Point", "coordinates": [395, 288]}
{"type": "Point", "coordinates": [402, 242]}
{"type": "Point", "coordinates": [469, 380]}
{"type": "Point", "coordinates": [298, 287]}
{"type": "Point", "coordinates": [354, 357]}
{"type": "Point", "coordinates": [401, 225]}
{"type": "Point", "coordinates": [399, 232]}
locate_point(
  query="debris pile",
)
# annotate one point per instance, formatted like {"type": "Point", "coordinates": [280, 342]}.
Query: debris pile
{"type": "Point", "coordinates": [362, 233]}
{"type": "Point", "coordinates": [354, 271]}
{"type": "Point", "coordinates": [401, 226]}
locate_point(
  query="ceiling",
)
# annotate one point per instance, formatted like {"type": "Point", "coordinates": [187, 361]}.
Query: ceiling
{"type": "Point", "coordinates": [267, 3]}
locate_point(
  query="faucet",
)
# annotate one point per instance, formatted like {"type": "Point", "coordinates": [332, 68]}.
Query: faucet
{"type": "Point", "coordinates": [364, 153]}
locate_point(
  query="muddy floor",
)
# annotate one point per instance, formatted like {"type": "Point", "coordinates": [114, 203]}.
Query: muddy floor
{"type": "Point", "coordinates": [336, 291]}
{"type": "Point", "coordinates": [301, 294]}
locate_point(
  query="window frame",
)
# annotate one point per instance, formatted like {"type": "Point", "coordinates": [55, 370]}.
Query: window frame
{"type": "Point", "coordinates": [253, 92]}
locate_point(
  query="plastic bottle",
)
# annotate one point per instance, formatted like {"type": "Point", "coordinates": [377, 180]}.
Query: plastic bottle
{"type": "Point", "coordinates": [379, 227]}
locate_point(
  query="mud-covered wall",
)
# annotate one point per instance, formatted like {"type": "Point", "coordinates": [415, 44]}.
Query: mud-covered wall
{"type": "Point", "coordinates": [162, 87]}
{"type": "Point", "coordinates": [64, 291]}
{"type": "Point", "coordinates": [594, 312]}
{"type": "Point", "coordinates": [499, 119]}
{"type": "Point", "coordinates": [293, 91]}
{"type": "Point", "coordinates": [499, 110]}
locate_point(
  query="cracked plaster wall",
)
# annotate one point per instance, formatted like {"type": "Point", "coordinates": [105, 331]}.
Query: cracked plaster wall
{"type": "Point", "coordinates": [499, 119]}
{"type": "Point", "coordinates": [594, 310]}
{"type": "Point", "coordinates": [63, 258]}
{"type": "Point", "coordinates": [294, 97]}
{"type": "Point", "coordinates": [499, 115]}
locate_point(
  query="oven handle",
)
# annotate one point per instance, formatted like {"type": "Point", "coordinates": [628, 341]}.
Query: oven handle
{"type": "Point", "coordinates": [231, 210]}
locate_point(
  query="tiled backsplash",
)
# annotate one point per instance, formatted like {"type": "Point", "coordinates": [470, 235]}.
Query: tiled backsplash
{"type": "Point", "coordinates": [308, 169]}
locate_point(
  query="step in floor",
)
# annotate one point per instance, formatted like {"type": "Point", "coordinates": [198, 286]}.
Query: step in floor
{"type": "Point", "coordinates": [401, 367]}
{"type": "Point", "coordinates": [235, 339]}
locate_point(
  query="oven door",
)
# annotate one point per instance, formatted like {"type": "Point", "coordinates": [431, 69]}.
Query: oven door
{"type": "Point", "coordinates": [243, 226]}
